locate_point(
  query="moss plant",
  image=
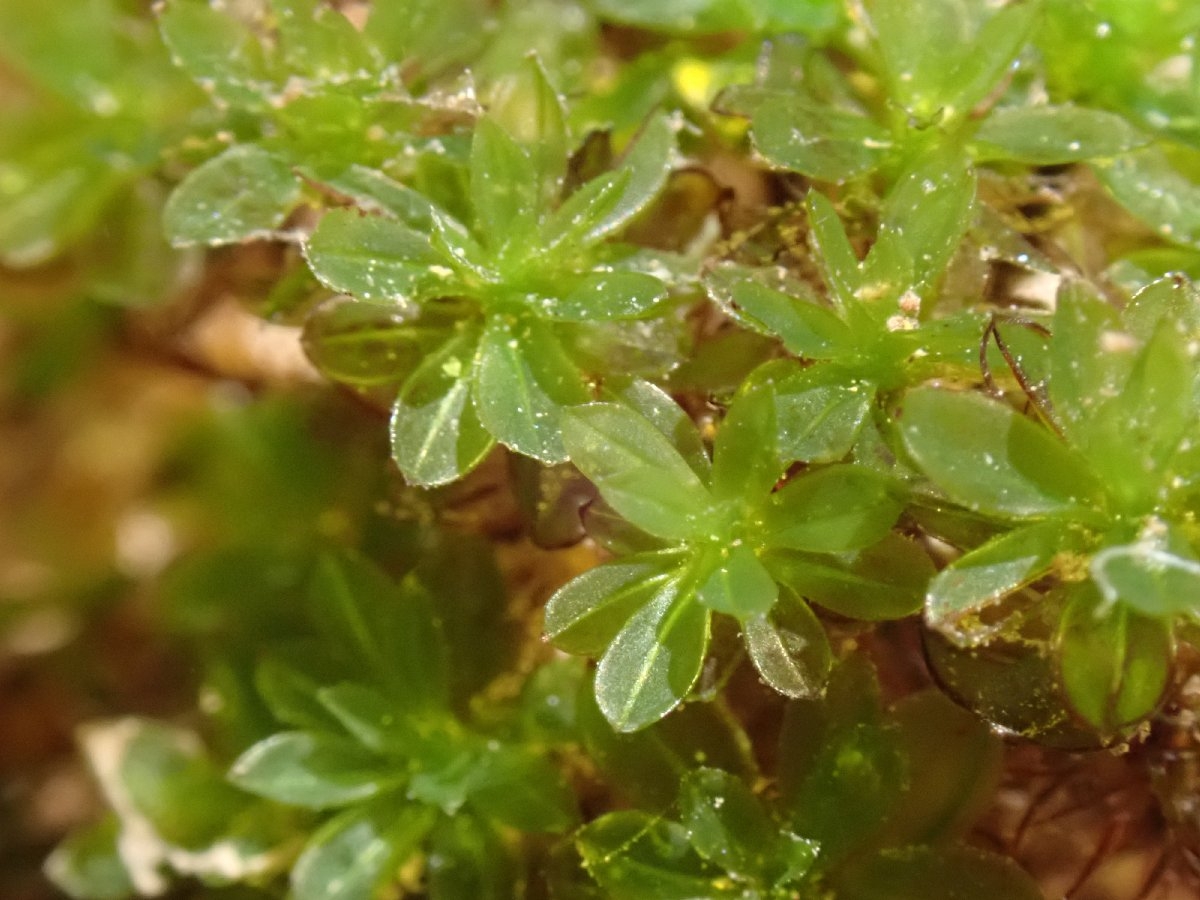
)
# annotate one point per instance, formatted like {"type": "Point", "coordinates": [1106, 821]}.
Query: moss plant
{"type": "Point", "coordinates": [733, 435]}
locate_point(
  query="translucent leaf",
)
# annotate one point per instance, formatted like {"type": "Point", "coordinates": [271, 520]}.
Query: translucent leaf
{"type": "Point", "coordinates": [990, 458]}
{"type": "Point", "coordinates": [825, 143]}
{"type": "Point", "coordinates": [987, 574]}
{"type": "Point", "coordinates": [1150, 187]}
{"type": "Point", "coordinates": [734, 582]}
{"type": "Point", "coordinates": [997, 44]}
{"type": "Point", "coordinates": [568, 228]}
{"type": "Point", "coordinates": [654, 660]}
{"type": "Point", "coordinates": [523, 789]}
{"type": "Point", "coordinates": [637, 470]}
{"type": "Point", "coordinates": [1050, 135]}
{"type": "Point", "coordinates": [830, 510]}
{"type": "Point", "coordinates": [364, 344]}
{"type": "Point", "coordinates": [806, 329]}
{"type": "Point", "coordinates": [504, 188]}
{"type": "Point", "coordinates": [789, 648]}
{"type": "Point", "coordinates": [921, 43]}
{"type": "Point", "coordinates": [245, 193]}
{"type": "Point", "coordinates": [523, 380]}
{"type": "Point", "coordinates": [604, 296]}
{"type": "Point", "coordinates": [634, 855]}
{"type": "Point", "coordinates": [352, 855]}
{"type": "Point", "coordinates": [436, 434]}
{"type": "Point", "coordinates": [376, 259]}
{"type": "Point", "coordinates": [585, 614]}
{"type": "Point", "coordinates": [1115, 663]}
{"type": "Point", "coordinates": [308, 769]}
{"type": "Point", "coordinates": [886, 580]}
{"type": "Point", "coordinates": [375, 192]}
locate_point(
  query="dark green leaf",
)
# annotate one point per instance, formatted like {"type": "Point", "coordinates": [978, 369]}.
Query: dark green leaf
{"type": "Point", "coordinates": [746, 459]}
{"type": "Point", "coordinates": [825, 143]}
{"type": "Point", "coordinates": [1050, 135]}
{"type": "Point", "coordinates": [637, 470]}
{"type": "Point", "coordinates": [586, 613]}
{"type": "Point", "coordinates": [352, 855]}
{"type": "Point", "coordinates": [635, 856]}
{"type": "Point", "coordinates": [654, 660]}
{"type": "Point", "coordinates": [886, 580]}
{"type": "Point", "coordinates": [841, 507]}
{"type": "Point", "coordinates": [819, 418]}
{"type": "Point", "coordinates": [832, 249]}
{"type": "Point", "coordinates": [990, 458]}
{"type": "Point", "coordinates": [468, 860]}
{"type": "Point", "coordinates": [243, 194]}
{"type": "Point", "coordinates": [927, 873]}
{"type": "Point", "coordinates": [523, 380]}
{"type": "Point", "coordinates": [789, 648]}
{"type": "Point", "coordinates": [524, 790]}
{"type": "Point", "coordinates": [436, 434]}
{"type": "Point", "coordinates": [314, 770]}
{"type": "Point", "coordinates": [291, 695]}
{"type": "Point", "coordinates": [364, 344]}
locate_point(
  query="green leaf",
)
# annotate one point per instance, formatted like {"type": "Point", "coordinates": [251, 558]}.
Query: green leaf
{"type": "Point", "coordinates": [648, 161]}
{"type": "Point", "coordinates": [524, 790]}
{"type": "Point", "coordinates": [990, 458]}
{"type": "Point", "coordinates": [1149, 186]}
{"type": "Point", "coordinates": [523, 379]}
{"type": "Point", "coordinates": [604, 296]}
{"type": "Point", "coordinates": [291, 695]}
{"type": "Point", "coordinates": [806, 329]}
{"type": "Point", "coordinates": [352, 855]}
{"type": "Point", "coordinates": [789, 648]}
{"type": "Point", "coordinates": [661, 411]}
{"type": "Point", "coordinates": [634, 856]}
{"type": "Point", "coordinates": [832, 249]}
{"type": "Point", "coordinates": [318, 41]}
{"type": "Point", "coordinates": [1157, 575]}
{"type": "Point", "coordinates": [928, 211]}
{"type": "Point", "coordinates": [374, 720]}
{"type": "Point", "coordinates": [997, 44]}
{"type": "Point", "coordinates": [886, 580]}
{"type": "Point", "coordinates": [243, 194]}
{"type": "Point", "coordinates": [504, 186]}
{"type": "Point", "coordinates": [819, 422]}
{"type": "Point", "coordinates": [365, 345]}
{"type": "Point", "coordinates": [1115, 662]}
{"type": "Point", "coordinates": [436, 434]}
{"type": "Point", "coordinates": [637, 470]}
{"type": "Point", "coordinates": [566, 230]}
{"type": "Point", "coordinates": [585, 614]}
{"type": "Point", "coordinates": [1051, 135]}
{"type": "Point", "coordinates": [318, 771]}
{"type": "Point", "coordinates": [88, 865]}
{"type": "Point", "coordinates": [374, 192]}
{"type": "Point", "coordinates": [987, 574]}
{"type": "Point", "coordinates": [825, 143]}
{"type": "Point", "coordinates": [467, 860]}
{"type": "Point", "coordinates": [728, 826]}
{"type": "Point", "coordinates": [734, 582]}
{"type": "Point", "coordinates": [376, 259]}
{"type": "Point", "coordinates": [746, 460]}
{"type": "Point", "coordinates": [217, 51]}
{"type": "Point", "coordinates": [937, 873]}
{"type": "Point", "coordinates": [654, 660]}
{"type": "Point", "coordinates": [529, 109]}
{"type": "Point", "coordinates": [837, 508]}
